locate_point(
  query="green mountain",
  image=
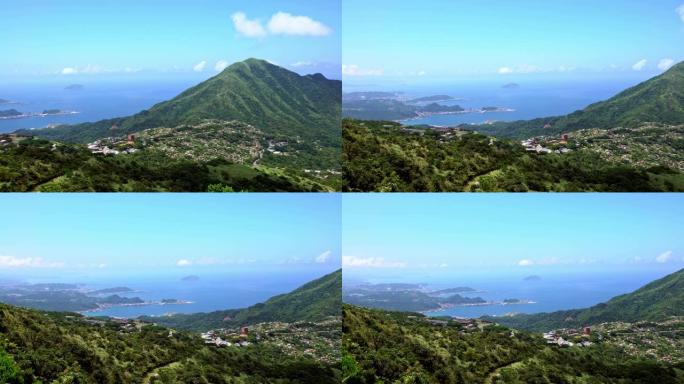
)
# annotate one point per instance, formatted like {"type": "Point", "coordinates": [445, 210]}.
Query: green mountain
{"type": "Point", "coordinates": [313, 301]}
{"type": "Point", "coordinates": [655, 301]}
{"type": "Point", "coordinates": [657, 100]}
{"type": "Point", "coordinates": [275, 100]}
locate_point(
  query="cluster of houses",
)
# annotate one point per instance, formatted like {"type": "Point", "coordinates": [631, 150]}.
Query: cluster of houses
{"type": "Point", "coordinates": [276, 147]}
{"type": "Point", "coordinates": [102, 146]}
{"type": "Point", "coordinates": [5, 140]}
{"type": "Point", "coordinates": [537, 145]}
{"type": "Point", "coordinates": [556, 338]}
{"type": "Point", "coordinates": [236, 339]}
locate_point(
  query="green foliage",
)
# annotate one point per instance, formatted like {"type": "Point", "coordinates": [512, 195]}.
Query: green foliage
{"type": "Point", "coordinates": [9, 372]}
{"type": "Point", "coordinates": [40, 165]}
{"type": "Point", "coordinates": [313, 301]}
{"type": "Point", "coordinates": [393, 347]}
{"type": "Point", "coordinates": [384, 156]}
{"type": "Point", "coordinates": [655, 301]}
{"type": "Point", "coordinates": [68, 348]}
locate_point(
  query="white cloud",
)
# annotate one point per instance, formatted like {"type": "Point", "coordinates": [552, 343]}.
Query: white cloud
{"type": "Point", "coordinates": [664, 257]}
{"type": "Point", "coordinates": [443, 265]}
{"type": "Point", "coordinates": [665, 64]}
{"type": "Point", "coordinates": [370, 262]}
{"type": "Point", "coordinates": [302, 64]}
{"type": "Point", "coordinates": [323, 257]}
{"type": "Point", "coordinates": [183, 263]}
{"type": "Point", "coordinates": [283, 23]}
{"type": "Point", "coordinates": [355, 70]}
{"type": "Point", "coordinates": [199, 67]}
{"type": "Point", "coordinates": [102, 265]}
{"type": "Point", "coordinates": [220, 65]}
{"type": "Point", "coordinates": [247, 27]}
{"type": "Point", "coordinates": [95, 69]}
{"type": "Point", "coordinates": [680, 12]}
{"type": "Point", "coordinates": [639, 65]}
{"type": "Point", "coordinates": [421, 73]}
{"type": "Point", "coordinates": [526, 68]}
{"type": "Point", "coordinates": [27, 262]}
{"type": "Point", "coordinates": [525, 262]}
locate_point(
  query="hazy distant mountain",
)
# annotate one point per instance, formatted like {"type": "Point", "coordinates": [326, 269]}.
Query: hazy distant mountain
{"type": "Point", "coordinates": [655, 301]}
{"type": "Point", "coordinates": [313, 301]}
{"type": "Point", "coordinates": [532, 278]}
{"type": "Point", "coordinates": [74, 87]}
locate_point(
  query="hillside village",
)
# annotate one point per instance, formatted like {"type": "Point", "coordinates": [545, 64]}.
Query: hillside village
{"type": "Point", "coordinates": [316, 340]}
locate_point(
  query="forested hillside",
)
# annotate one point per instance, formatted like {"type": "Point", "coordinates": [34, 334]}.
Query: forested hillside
{"type": "Point", "coordinates": [395, 347]}
{"type": "Point", "coordinates": [385, 156]}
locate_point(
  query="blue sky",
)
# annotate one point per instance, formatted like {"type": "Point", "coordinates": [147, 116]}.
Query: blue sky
{"type": "Point", "coordinates": [434, 40]}
{"type": "Point", "coordinates": [168, 233]}
{"type": "Point", "coordinates": [407, 234]}
{"type": "Point", "coordinates": [78, 38]}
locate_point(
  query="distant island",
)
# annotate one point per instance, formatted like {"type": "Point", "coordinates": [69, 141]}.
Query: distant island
{"type": "Point", "coordinates": [356, 96]}
{"type": "Point", "coordinates": [190, 278]}
{"type": "Point", "coordinates": [14, 114]}
{"type": "Point", "coordinates": [74, 87]}
{"type": "Point", "coordinates": [532, 278]}
{"type": "Point", "coordinates": [511, 86]}
{"type": "Point", "coordinates": [7, 113]}
{"type": "Point", "coordinates": [415, 297]}
{"type": "Point", "coordinates": [389, 106]}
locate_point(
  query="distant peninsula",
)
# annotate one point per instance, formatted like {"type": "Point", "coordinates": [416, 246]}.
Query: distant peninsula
{"type": "Point", "coordinates": [431, 98]}
{"type": "Point", "coordinates": [14, 114]}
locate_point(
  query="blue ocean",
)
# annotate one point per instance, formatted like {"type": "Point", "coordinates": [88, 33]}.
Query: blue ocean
{"type": "Point", "coordinates": [531, 99]}
{"type": "Point", "coordinates": [552, 292]}
{"type": "Point", "coordinates": [210, 292]}
{"type": "Point", "coordinates": [95, 101]}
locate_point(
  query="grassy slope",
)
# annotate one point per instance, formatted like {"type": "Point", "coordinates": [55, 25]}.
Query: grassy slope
{"type": "Point", "coordinates": [311, 302]}
{"type": "Point", "coordinates": [655, 301]}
